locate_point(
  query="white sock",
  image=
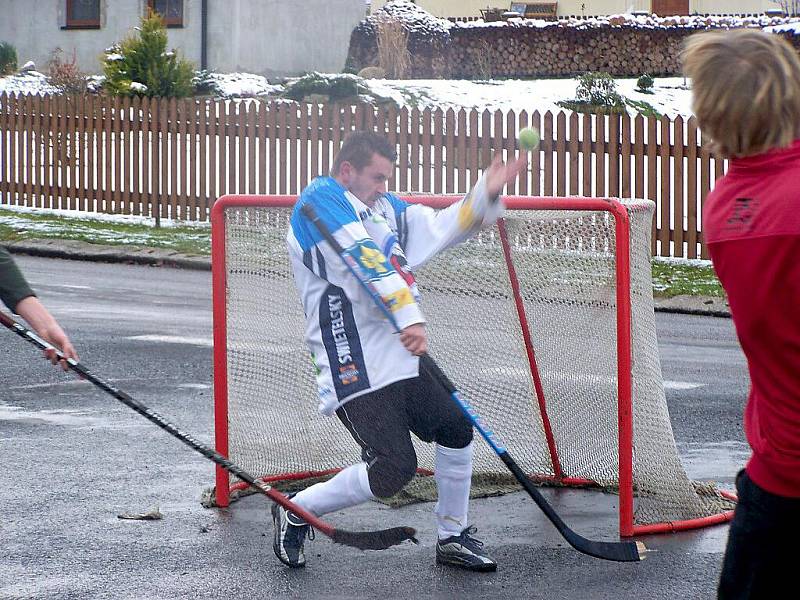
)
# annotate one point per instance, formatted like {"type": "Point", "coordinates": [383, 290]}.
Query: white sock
{"type": "Point", "coordinates": [348, 487]}
{"type": "Point", "coordinates": [453, 474]}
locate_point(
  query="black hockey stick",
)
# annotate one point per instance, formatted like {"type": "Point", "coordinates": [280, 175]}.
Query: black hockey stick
{"type": "Point", "coordinates": [617, 551]}
{"type": "Point", "coordinates": [363, 540]}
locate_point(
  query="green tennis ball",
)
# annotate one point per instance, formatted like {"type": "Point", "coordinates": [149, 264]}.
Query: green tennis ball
{"type": "Point", "coordinates": [528, 138]}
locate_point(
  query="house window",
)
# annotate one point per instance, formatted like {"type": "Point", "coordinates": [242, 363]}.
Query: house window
{"type": "Point", "coordinates": [171, 11]}
{"type": "Point", "coordinates": [83, 14]}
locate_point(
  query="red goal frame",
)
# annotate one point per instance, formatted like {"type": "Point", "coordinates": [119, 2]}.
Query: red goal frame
{"type": "Point", "coordinates": [612, 206]}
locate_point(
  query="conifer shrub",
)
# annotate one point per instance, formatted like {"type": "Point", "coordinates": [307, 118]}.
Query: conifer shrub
{"type": "Point", "coordinates": [595, 93]}
{"type": "Point", "coordinates": [141, 64]}
{"type": "Point", "coordinates": [645, 84]}
{"type": "Point", "coordinates": [8, 59]}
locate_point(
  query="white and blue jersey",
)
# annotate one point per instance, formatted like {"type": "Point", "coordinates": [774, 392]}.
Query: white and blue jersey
{"type": "Point", "coordinates": [353, 345]}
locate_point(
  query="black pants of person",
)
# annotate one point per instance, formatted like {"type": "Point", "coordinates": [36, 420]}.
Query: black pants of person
{"type": "Point", "coordinates": [763, 548]}
{"type": "Point", "coordinates": [381, 422]}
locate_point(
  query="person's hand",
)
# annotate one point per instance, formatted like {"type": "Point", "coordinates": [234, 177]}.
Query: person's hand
{"type": "Point", "coordinates": [415, 339]}
{"type": "Point", "coordinates": [45, 325]}
{"type": "Point", "coordinates": [500, 174]}
{"type": "Point", "coordinates": [56, 336]}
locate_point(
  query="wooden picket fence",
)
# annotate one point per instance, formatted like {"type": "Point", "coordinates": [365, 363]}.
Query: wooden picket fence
{"type": "Point", "coordinates": [168, 158]}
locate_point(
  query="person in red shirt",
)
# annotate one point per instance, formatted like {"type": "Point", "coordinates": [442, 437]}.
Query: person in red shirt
{"type": "Point", "coordinates": [746, 96]}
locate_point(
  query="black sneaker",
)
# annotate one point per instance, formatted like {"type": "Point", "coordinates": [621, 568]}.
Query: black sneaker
{"type": "Point", "coordinates": [464, 551]}
{"type": "Point", "coordinates": [290, 534]}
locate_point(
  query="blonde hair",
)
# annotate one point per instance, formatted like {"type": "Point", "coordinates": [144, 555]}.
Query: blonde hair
{"type": "Point", "coordinates": [746, 90]}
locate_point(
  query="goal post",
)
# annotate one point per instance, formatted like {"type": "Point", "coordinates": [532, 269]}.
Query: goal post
{"type": "Point", "coordinates": [544, 321]}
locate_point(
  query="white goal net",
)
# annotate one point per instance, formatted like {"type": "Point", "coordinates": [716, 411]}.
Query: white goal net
{"type": "Point", "coordinates": [559, 306]}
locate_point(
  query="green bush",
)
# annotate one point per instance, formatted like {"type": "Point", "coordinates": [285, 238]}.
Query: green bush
{"type": "Point", "coordinates": [643, 108]}
{"type": "Point", "coordinates": [645, 84]}
{"type": "Point", "coordinates": [336, 87]}
{"type": "Point", "coordinates": [204, 83]}
{"type": "Point", "coordinates": [140, 65]}
{"type": "Point", "coordinates": [8, 59]}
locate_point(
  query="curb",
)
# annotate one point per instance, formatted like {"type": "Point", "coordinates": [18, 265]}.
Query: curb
{"type": "Point", "coordinates": [141, 255]}
{"type": "Point", "coordinates": [137, 255]}
{"type": "Point", "coordinates": [708, 306]}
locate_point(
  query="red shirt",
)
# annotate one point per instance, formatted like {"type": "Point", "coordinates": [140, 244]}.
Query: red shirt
{"type": "Point", "coordinates": [751, 224]}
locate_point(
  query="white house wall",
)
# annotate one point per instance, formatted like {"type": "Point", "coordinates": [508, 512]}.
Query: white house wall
{"type": "Point", "coordinates": [260, 36]}
{"type": "Point", "coordinates": [747, 6]}
{"type": "Point", "coordinates": [282, 36]}
{"type": "Point", "coordinates": [36, 33]}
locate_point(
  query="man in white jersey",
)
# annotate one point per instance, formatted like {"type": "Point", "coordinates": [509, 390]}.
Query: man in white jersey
{"type": "Point", "coordinates": [367, 375]}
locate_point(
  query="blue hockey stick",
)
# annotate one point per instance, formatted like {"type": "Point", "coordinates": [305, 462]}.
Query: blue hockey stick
{"type": "Point", "coordinates": [617, 551]}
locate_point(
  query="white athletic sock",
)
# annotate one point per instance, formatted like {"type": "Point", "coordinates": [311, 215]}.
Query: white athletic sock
{"type": "Point", "coordinates": [453, 474]}
{"type": "Point", "coordinates": [347, 488]}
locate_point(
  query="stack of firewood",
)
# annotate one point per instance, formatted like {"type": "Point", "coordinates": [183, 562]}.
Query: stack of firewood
{"type": "Point", "coordinates": [556, 51]}
{"type": "Point", "coordinates": [620, 45]}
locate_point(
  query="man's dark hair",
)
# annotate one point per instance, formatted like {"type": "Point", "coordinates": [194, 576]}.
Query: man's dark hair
{"type": "Point", "coordinates": [358, 148]}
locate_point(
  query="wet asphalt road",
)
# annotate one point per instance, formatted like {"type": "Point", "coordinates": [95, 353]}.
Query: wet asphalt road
{"type": "Point", "coordinates": [75, 458]}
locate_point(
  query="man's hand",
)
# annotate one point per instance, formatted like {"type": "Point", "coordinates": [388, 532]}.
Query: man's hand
{"type": "Point", "coordinates": [43, 323]}
{"type": "Point", "coordinates": [500, 174]}
{"type": "Point", "coordinates": [415, 339]}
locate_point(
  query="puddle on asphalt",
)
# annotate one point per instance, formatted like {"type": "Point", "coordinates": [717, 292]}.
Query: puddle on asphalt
{"type": "Point", "coordinates": [174, 339]}
{"type": "Point", "coordinates": [33, 386]}
{"type": "Point", "coordinates": [713, 461]}
{"type": "Point", "coordinates": [70, 418]}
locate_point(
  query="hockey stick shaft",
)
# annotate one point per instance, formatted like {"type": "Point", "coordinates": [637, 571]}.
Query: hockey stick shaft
{"type": "Point", "coordinates": [617, 551]}
{"type": "Point", "coordinates": [367, 540]}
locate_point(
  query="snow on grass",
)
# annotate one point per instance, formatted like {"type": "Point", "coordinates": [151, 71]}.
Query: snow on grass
{"type": "Point", "coordinates": [689, 262]}
{"type": "Point", "coordinates": [28, 82]}
{"type": "Point", "coordinates": [690, 277]}
{"type": "Point", "coordinates": [103, 217]}
{"type": "Point", "coordinates": [233, 85]}
{"type": "Point", "coordinates": [22, 223]}
{"type": "Point", "coordinates": [671, 95]}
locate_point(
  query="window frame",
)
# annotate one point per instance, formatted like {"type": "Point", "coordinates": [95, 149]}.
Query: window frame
{"type": "Point", "coordinates": [168, 21]}
{"type": "Point", "coordinates": [82, 23]}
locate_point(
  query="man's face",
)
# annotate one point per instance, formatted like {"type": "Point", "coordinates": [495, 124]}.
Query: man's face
{"type": "Point", "coordinates": [369, 183]}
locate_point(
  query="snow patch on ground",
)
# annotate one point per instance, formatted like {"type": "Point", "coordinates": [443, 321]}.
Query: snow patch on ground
{"type": "Point", "coordinates": [28, 82]}
{"type": "Point", "coordinates": [650, 21]}
{"type": "Point", "coordinates": [233, 85]}
{"type": "Point", "coordinates": [96, 216]}
{"type": "Point", "coordinates": [671, 95]}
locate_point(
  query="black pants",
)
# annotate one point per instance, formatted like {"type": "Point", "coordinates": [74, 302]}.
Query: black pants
{"type": "Point", "coordinates": [762, 550]}
{"type": "Point", "coordinates": [381, 423]}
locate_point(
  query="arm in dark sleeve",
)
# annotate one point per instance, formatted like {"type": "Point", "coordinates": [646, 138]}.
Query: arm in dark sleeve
{"type": "Point", "coordinates": [13, 286]}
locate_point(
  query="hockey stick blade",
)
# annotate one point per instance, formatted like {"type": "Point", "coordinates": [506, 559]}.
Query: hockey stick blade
{"type": "Point", "coordinates": [363, 540]}
{"type": "Point", "coordinates": [615, 551]}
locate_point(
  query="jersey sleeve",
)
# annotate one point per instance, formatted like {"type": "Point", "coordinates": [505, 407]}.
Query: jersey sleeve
{"type": "Point", "coordinates": [338, 214]}
{"type": "Point", "coordinates": [424, 232]}
{"type": "Point", "coordinates": [13, 286]}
